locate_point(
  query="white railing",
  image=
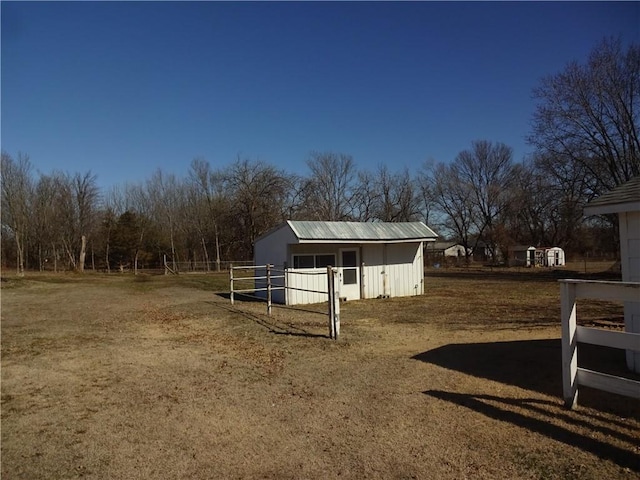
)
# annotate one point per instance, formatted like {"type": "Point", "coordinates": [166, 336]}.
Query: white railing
{"type": "Point", "coordinates": [249, 288]}
{"type": "Point", "coordinates": [572, 334]}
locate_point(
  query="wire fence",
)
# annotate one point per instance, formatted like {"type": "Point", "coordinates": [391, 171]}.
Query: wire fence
{"type": "Point", "coordinates": [202, 267]}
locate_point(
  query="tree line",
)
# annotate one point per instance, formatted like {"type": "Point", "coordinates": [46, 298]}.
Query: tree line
{"type": "Point", "coordinates": [584, 130]}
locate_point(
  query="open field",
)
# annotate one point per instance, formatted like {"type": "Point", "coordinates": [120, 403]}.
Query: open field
{"type": "Point", "coordinates": [160, 377]}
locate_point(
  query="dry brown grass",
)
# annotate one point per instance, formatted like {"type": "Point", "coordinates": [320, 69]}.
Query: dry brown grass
{"type": "Point", "coordinates": [160, 377]}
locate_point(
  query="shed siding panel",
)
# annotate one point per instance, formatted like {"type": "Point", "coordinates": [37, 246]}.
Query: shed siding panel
{"type": "Point", "coordinates": [630, 246]}
{"type": "Point", "coordinates": [272, 249]}
{"type": "Point", "coordinates": [630, 259]}
{"type": "Point", "coordinates": [403, 265]}
{"type": "Point", "coordinates": [373, 270]}
{"type": "Point", "coordinates": [633, 245]}
{"type": "Point", "coordinates": [307, 279]}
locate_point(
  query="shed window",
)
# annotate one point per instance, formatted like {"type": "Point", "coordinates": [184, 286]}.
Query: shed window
{"type": "Point", "coordinates": [323, 261]}
{"type": "Point", "coordinates": [313, 261]}
{"type": "Point", "coordinates": [303, 261]}
{"type": "Point", "coordinates": [349, 276]}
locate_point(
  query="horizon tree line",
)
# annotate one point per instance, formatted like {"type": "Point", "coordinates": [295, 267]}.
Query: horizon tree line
{"type": "Point", "coordinates": [584, 129]}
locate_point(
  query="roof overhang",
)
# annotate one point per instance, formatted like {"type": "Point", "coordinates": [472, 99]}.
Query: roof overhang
{"type": "Point", "coordinates": [612, 208]}
{"type": "Point", "coordinates": [623, 198]}
{"type": "Point", "coordinates": [318, 232]}
{"type": "Point", "coordinates": [342, 241]}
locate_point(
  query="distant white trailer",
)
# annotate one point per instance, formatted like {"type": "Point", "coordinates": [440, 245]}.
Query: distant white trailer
{"type": "Point", "coordinates": [523, 256]}
{"type": "Point", "coordinates": [528, 256]}
{"type": "Point", "coordinates": [374, 259]}
{"type": "Point", "coordinates": [554, 257]}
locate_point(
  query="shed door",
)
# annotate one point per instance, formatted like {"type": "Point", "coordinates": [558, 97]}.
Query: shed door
{"type": "Point", "coordinates": [349, 274]}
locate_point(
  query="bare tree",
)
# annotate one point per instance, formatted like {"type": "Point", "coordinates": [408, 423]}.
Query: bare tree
{"type": "Point", "coordinates": [258, 193]}
{"type": "Point", "coordinates": [587, 118]}
{"type": "Point", "coordinates": [45, 224]}
{"type": "Point", "coordinates": [453, 198]}
{"type": "Point", "coordinates": [487, 169]}
{"type": "Point", "coordinates": [396, 198]}
{"type": "Point", "coordinates": [163, 192]}
{"type": "Point", "coordinates": [17, 190]}
{"type": "Point", "coordinates": [330, 191]}
{"type": "Point", "coordinates": [87, 197]}
{"type": "Point", "coordinates": [76, 204]}
{"type": "Point", "coordinates": [566, 189]}
{"type": "Point", "coordinates": [138, 201]}
{"type": "Point", "coordinates": [208, 184]}
{"type": "Point", "coordinates": [114, 204]}
{"type": "Point", "coordinates": [426, 197]}
{"type": "Point", "coordinates": [365, 197]}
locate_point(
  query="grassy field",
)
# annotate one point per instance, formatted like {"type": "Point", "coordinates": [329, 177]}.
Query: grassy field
{"type": "Point", "coordinates": [160, 377]}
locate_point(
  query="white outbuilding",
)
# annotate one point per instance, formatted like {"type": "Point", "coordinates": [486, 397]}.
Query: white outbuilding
{"type": "Point", "coordinates": [374, 259]}
{"type": "Point", "coordinates": [528, 256]}
{"type": "Point", "coordinates": [624, 201]}
{"type": "Point", "coordinates": [554, 257]}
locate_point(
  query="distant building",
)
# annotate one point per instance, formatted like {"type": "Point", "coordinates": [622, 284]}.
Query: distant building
{"type": "Point", "coordinates": [528, 256]}
{"type": "Point", "coordinates": [450, 249]}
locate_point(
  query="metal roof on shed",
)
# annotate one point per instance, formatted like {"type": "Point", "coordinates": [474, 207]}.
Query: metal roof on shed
{"type": "Point", "coordinates": [360, 232]}
{"type": "Point", "coordinates": [623, 198]}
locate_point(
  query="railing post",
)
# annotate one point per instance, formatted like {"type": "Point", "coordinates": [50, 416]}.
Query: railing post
{"type": "Point", "coordinates": [569, 344]}
{"type": "Point", "coordinates": [268, 288]}
{"type": "Point", "coordinates": [334, 303]}
{"type": "Point", "coordinates": [336, 306]}
{"type": "Point", "coordinates": [330, 296]}
{"type": "Point", "coordinates": [231, 282]}
{"type": "Point", "coordinates": [285, 282]}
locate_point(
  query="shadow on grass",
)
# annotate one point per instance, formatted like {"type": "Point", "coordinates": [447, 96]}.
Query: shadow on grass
{"type": "Point", "coordinates": [521, 274]}
{"type": "Point", "coordinates": [240, 297]}
{"type": "Point", "coordinates": [536, 365]}
{"type": "Point", "coordinates": [270, 324]}
{"type": "Point", "coordinates": [499, 409]}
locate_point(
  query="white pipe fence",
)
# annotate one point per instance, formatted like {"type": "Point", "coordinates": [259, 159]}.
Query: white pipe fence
{"type": "Point", "coordinates": [332, 292]}
{"type": "Point", "coordinates": [572, 334]}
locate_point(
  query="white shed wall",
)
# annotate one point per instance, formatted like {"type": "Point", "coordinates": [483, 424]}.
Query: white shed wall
{"type": "Point", "coordinates": [306, 279]}
{"type": "Point", "coordinates": [405, 269]}
{"type": "Point", "coordinates": [373, 271]}
{"type": "Point", "coordinates": [303, 279]}
{"type": "Point", "coordinates": [272, 249]}
{"type": "Point", "coordinates": [630, 260]}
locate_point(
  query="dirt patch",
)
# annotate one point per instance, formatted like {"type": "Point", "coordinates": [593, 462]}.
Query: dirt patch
{"type": "Point", "coordinates": [120, 378]}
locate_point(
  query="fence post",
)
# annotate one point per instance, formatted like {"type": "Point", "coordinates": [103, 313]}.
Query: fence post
{"type": "Point", "coordinates": [569, 344]}
{"type": "Point", "coordinates": [231, 282]}
{"type": "Point", "coordinates": [268, 266]}
{"type": "Point", "coordinates": [334, 303]}
{"type": "Point", "coordinates": [285, 282]}
{"type": "Point", "coordinates": [330, 294]}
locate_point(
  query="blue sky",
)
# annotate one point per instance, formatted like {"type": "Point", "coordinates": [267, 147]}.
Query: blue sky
{"type": "Point", "coordinates": [124, 88]}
